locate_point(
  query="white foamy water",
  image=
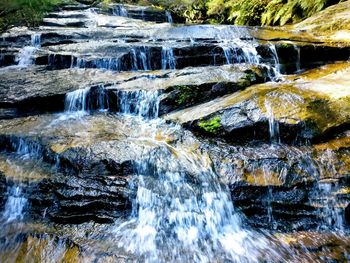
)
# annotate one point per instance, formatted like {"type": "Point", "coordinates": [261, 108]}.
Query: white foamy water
{"type": "Point", "coordinates": [25, 56]}
{"type": "Point", "coordinates": [15, 204]}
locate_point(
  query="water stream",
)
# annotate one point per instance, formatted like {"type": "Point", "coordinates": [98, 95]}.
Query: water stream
{"type": "Point", "coordinates": [26, 54]}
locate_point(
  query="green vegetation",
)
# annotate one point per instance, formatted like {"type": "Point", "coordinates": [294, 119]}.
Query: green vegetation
{"type": "Point", "coordinates": [24, 12]}
{"type": "Point", "coordinates": [212, 126]}
{"type": "Point", "coordinates": [187, 94]}
{"type": "Point", "coordinates": [244, 12]}
{"type": "Point", "coordinates": [239, 12]}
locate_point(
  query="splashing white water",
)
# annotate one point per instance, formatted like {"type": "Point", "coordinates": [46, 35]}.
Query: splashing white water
{"type": "Point", "coordinates": [140, 58]}
{"type": "Point", "coordinates": [26, 54]}
{"type": "Point", "coordinates": [15, 204]}
{"type": "Point", "coordinates": [184, 214]}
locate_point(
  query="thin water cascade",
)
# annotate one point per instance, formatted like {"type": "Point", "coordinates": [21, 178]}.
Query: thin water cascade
{"type": "Point", "coordinates": [140, 58]}
{"type": "Point", "coordinates": [120, 10]}
{"type": "Point", "coordinates": [84, 100]}
{"type": "Point", "coordinates": [168, 58]}
{"type": "Point", "coordinates": [275, 67]}
{"type": "Point", "coordinates": [325, 196]}
{"type": "Point", "coordinates": [25, 55]}
{"type": "Point", "coordinates": [331, 213]}
{"type": "Point", "coordinates": [169, 17]}
{"type": "Point", "coordinates": [237, 51]}
{"type": "Point", "coordinates": [141, 103]}
{"type": "Point", "coordinates": [76, 101]}
{"type": "Point", "coordinates": [106, 63]}
{"type": "Point", "coordinates": [273, 124]}
{"type": "Point", "coordinates": [298, 60]}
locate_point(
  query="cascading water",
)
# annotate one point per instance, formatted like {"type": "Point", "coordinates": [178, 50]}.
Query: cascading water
{"type": "Point", "coordinates": [324, 195]}
{"type": "Point", "coordinates": [106, 63]}
{"type": "Point", "coordinates": [239, 51]}
{"type": "Point", "coordinates": [140, 58]}
{"type": "Point", "coordinates": [168, 58]}
{"type": "Point", "coordinates": [331, 215]}
{"type": "Point", "coordinates": [25, 55]}
{"type": "Point", "coordinates": [15, 204]}
{"type": "Point", "coordinates": [181, 211]}
{"type": "Point", "coordinates": [169, 17]}
{"type": "Point", "coordinates": [275, 71]}
{"type": "Point", "coordinates": [84, 100]}
{"type": "Point", "coordinates": [184, 214]}
{"type": "Point", "coordinates": [298, 61]}
{"type": "Point", "coordinates": [141, 103]}
{"type": "Point", "coordinates": [76, 101]}
{"type": "Point", "coordinates": [120, 10]}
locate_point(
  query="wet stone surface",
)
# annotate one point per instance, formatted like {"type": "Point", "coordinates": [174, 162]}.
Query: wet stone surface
{"type": "Point", "coordinates": [127, 138]}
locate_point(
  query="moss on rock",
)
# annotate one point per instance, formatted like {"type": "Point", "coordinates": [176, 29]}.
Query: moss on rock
{"type": "Point", "coordinates": [211, 126]}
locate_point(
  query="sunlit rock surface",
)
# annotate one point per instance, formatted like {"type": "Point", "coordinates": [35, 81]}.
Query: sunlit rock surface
{"type": "Point", "coordinates": [307, 107]}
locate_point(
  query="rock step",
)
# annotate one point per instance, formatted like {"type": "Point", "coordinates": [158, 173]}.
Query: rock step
{"type": "Point", "coordinates": [39, 90]}
{"type": "Point", "coordinates": [287, 111]}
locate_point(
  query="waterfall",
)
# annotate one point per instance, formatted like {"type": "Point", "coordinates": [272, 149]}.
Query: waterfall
{"type": "Point", "coordinates": [141, 103]}
{"type": "Point", "coordinates": [87, 99]}
{"type": "Point", "coordinates": [275, 67]}
{"type": "Point", "coordinates": [238, 51]}
{"type": "Point", "coordinates": [120, 10]}
{"type": "Point", "coordinates": [25, 55]}
{"type": "Point", "coordinates": [324, 194]}
{"type": "Point", "coordinates": [15, 204]}
{"type": "Point", "coordinates": [184, 214]}
{"type": "Point", "coordinates": [77, 100]}
{"type": "Point", "coordinates": [168, 58]}
{"type": "Point", "coordinates": [26, 149]}
{"type": "Point", "coordinates": [140, 58]}
{"type": "Point", "coordinates": [169, 18]}
{"type": "Point", "coordinates": [297, 63]}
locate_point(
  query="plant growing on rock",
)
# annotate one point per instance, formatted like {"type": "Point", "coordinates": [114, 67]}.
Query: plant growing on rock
{"type": "Point", "coordinates": [25, 12]}
{"type": "Point", "coordinates": [212, 125]}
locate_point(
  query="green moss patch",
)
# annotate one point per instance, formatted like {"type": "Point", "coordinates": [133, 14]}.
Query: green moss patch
{"type": "Point", "coordinates": [212, 125]}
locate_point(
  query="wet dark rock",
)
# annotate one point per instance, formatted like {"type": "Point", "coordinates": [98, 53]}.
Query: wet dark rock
{"type": "Point", "coordinates": [278, 186]}
{"type": "Point", "coordinates": [347, 214]}
{"type": "Point", "coordinates": [90, 176]}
